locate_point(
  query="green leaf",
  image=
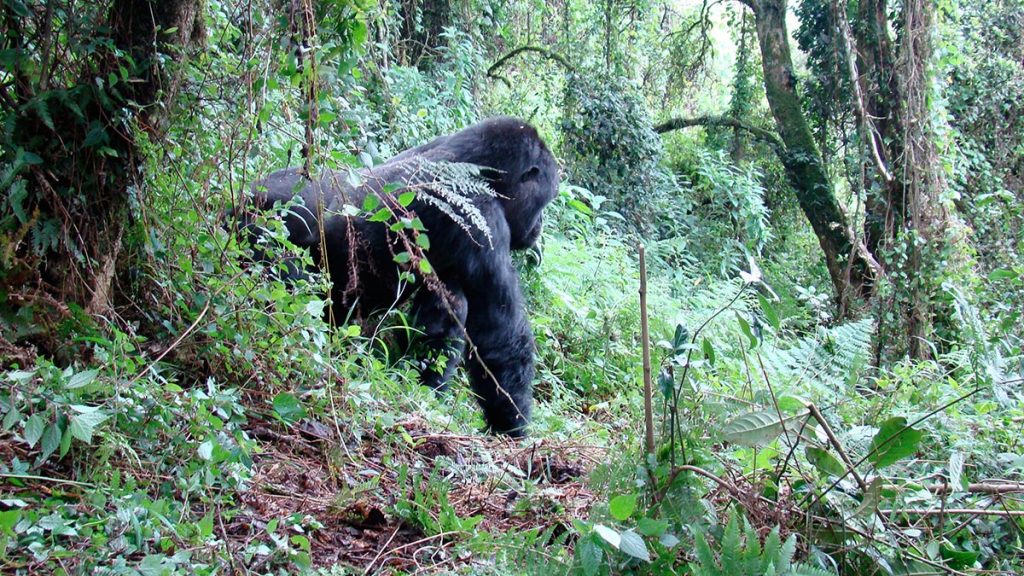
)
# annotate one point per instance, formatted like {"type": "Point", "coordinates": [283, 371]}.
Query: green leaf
{"type": "Point", "coordinates": [770, 314]}
{"type": "Point", "coordinates": [652, 527]}
{"type": "Point", "coordinates": [745, 328]}
{"type": "Point", "coordinates": [622, 506]}
{"type": "Point", "coordinates": [50, 442]}
{"type": "Point", "coordinates": [65, 442]}
{"type": "Point", "coordinates": [82, 379]}
{"type": "Point", "coordinates": [402, 258]}
{"type": "Point", "coordinates": [680, 339]}
{"type": "Point", "coordinates": [1002, 274]}
{"type": "Point", "coordinates": [423, 241]}
{"type": "Point", "coordinates": [709, 351]}
{"type": "Point", "coordinates": [958, 559]}
{"type": "Point", "coordinates": [425, 267]}
{"type": "Point", "coordinates": [666, 384]}
{"type": "Point", "coordinates": [956, 469]}
{"type": "Point", "coordinates": [382, 215]}
{"type": "Point", "coordinates": [21, 376]}
{"type": "Point", "coordinates": [8, 520]}
{"type": "Point", "coordinates": [633, 545]}
{"type": "Point", "coordinates": [371, 202]}
{"type": "Point", "coordinates": [580, 207]}
{"type": "Point", "coordinates": [732, 549]}
{"type": "Point", "coordinates": [288, 408]}
{"type": "Point", "coordinates": [12, 417]}
{"type": "Point", "coordinates": [34, 428]}
{"type": "Point", "coordinates": [893, 442]}
{"type": "Point", "coordinates": [824, 461]}
{"type": "Point", "coordinates": [406, 198]}
{"type": "Point", "coordinates": [590, 555]}
{"type": "Point", "coordinates": [206, 526]}
{"type": "Point", "coordinates": [704, 554]}
{"type": "Point", "coordinates": [755, 428]}
{"type": "Point", "coordinates": [205, 450]}
{"type": "Point", "coordinates": [83, 425]}
{"type": "Point", "coordinates": [791, 404]}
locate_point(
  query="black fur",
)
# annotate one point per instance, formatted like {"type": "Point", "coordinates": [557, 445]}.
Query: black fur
{"type": "Point", "coordinates": [480, 289]}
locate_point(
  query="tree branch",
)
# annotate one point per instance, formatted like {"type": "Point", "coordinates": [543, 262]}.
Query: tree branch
{"type": "Point", "coordinates": [492, 71]}
{"type": "Point", "coordinates": [766, 136]}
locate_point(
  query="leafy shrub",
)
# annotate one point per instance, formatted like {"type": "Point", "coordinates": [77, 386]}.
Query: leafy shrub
{"type": "Point", "coordinates": [611, 149]}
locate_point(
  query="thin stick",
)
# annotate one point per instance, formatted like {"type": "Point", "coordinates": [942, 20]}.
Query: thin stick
{"type": "Point", "coordinates": [975, 487]}
{"type": "Point", "coordinates": [383, 549]}
{"type": "Point", "coordinates": [47, 479]}
{"type": "Point", "coordinates": [837, 445]}
{"type": "Point", "coordinates": [646, 342]}
{"type": "Point", "coordinates": [972, 511]}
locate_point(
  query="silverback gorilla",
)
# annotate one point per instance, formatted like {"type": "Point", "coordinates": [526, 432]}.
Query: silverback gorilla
{"type": "Point", "coordinates": [474, 300]}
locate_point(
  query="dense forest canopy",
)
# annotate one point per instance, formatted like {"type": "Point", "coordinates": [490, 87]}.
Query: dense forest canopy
{"type": "Point", "coordinates": [771, 324]}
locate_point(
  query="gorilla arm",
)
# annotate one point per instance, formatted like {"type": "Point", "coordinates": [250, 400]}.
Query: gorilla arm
{"type": "Point", "coordinates": [500, 359]}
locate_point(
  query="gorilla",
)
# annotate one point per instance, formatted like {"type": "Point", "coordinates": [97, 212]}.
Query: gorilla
{"type": "Point", "coordinates": [468, 295]}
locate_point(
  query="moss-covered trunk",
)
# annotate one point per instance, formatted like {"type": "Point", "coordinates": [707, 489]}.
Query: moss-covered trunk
{"type": "Point", "coordinates": [850, 273]}
{"type": "Point", "coordinates": [74, 115]}
{"type": "Point", "coordinates": [884, 202]}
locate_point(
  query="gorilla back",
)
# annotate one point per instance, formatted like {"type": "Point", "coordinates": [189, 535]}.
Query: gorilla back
{"type": "Point", "coordinates": [473, 299]}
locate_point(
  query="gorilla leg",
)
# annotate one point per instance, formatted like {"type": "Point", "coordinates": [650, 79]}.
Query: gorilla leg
{"type": "Point", "coordinates": [442, 333]}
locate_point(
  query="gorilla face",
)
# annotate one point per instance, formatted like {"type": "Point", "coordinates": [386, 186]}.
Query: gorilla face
{"type": "Point", "coordinates": [528, 192]}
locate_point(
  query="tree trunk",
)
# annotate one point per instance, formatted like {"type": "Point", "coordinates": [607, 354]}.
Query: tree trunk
{"type": "Point", "coordinates": [83, 146]}
{"type": "Point", "coordinates": [884, 204]}
{"type": "Point", "coordinates": [927, 217]}
{"type": "Point", "coordinates": [848, 267]}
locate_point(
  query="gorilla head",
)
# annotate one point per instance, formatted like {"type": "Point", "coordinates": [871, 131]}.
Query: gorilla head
{"type": "Point", "coordinates": [474, 300]}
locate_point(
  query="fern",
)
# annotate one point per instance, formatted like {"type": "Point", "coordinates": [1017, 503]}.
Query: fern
{"type": "Point", "coordinates": [452, 187]}
{"type": "Point", "coordinates": [745, 557]}
{"type": "Point", "coordinates": [827, 360]}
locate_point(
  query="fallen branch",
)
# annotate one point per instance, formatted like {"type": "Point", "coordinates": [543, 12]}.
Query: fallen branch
{"type": "Point", "coordinates": [971, 511]}
{"type": "Point", "coordinates": [974, 487]}
{"type": "Point", "coordinates": [766, 136]}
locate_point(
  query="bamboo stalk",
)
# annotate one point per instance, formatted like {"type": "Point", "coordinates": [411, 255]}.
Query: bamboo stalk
{"type": "Point", "coordinates": [646, 342]}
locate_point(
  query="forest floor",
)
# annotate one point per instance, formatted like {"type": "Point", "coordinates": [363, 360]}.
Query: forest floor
{"type": "Point", "coordinates": [351, 492]}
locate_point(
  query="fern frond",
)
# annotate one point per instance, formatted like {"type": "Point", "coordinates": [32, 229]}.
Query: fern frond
{"type": "Point", "coordinates": [825, 360]}
{"type": "Point", "coordinates": [732, 547]}
{"type": "Point", "coordinates": [705, 557]}
{"type": "Point", "coordinates": [453, 188]}
{"type": "Point", "coordinates": [805, 570]}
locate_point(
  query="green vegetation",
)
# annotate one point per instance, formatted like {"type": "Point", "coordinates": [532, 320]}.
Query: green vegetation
{"type": "Point", "coordinates": [833, 233]}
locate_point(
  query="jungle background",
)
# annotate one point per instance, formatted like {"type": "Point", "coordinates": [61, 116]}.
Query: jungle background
{"type": "Point", "coordinates": [829, 197]}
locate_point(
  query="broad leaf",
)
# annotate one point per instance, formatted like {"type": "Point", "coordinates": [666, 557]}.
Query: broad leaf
{"type": "Point", "coordinates": [824, 461]}
{"type": "Point", "coordinates": [756, 428]}
{"type": "Point", "coordinates": [82, 379]}
{"type": "Point", "coordinates": [633, 545]}
{"type": "Point", "coordinates": [622, 506]}
{"type": "Point", "coordinates": [83, 425]}
{"type": "Point", "coordinates": [893, 442]}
